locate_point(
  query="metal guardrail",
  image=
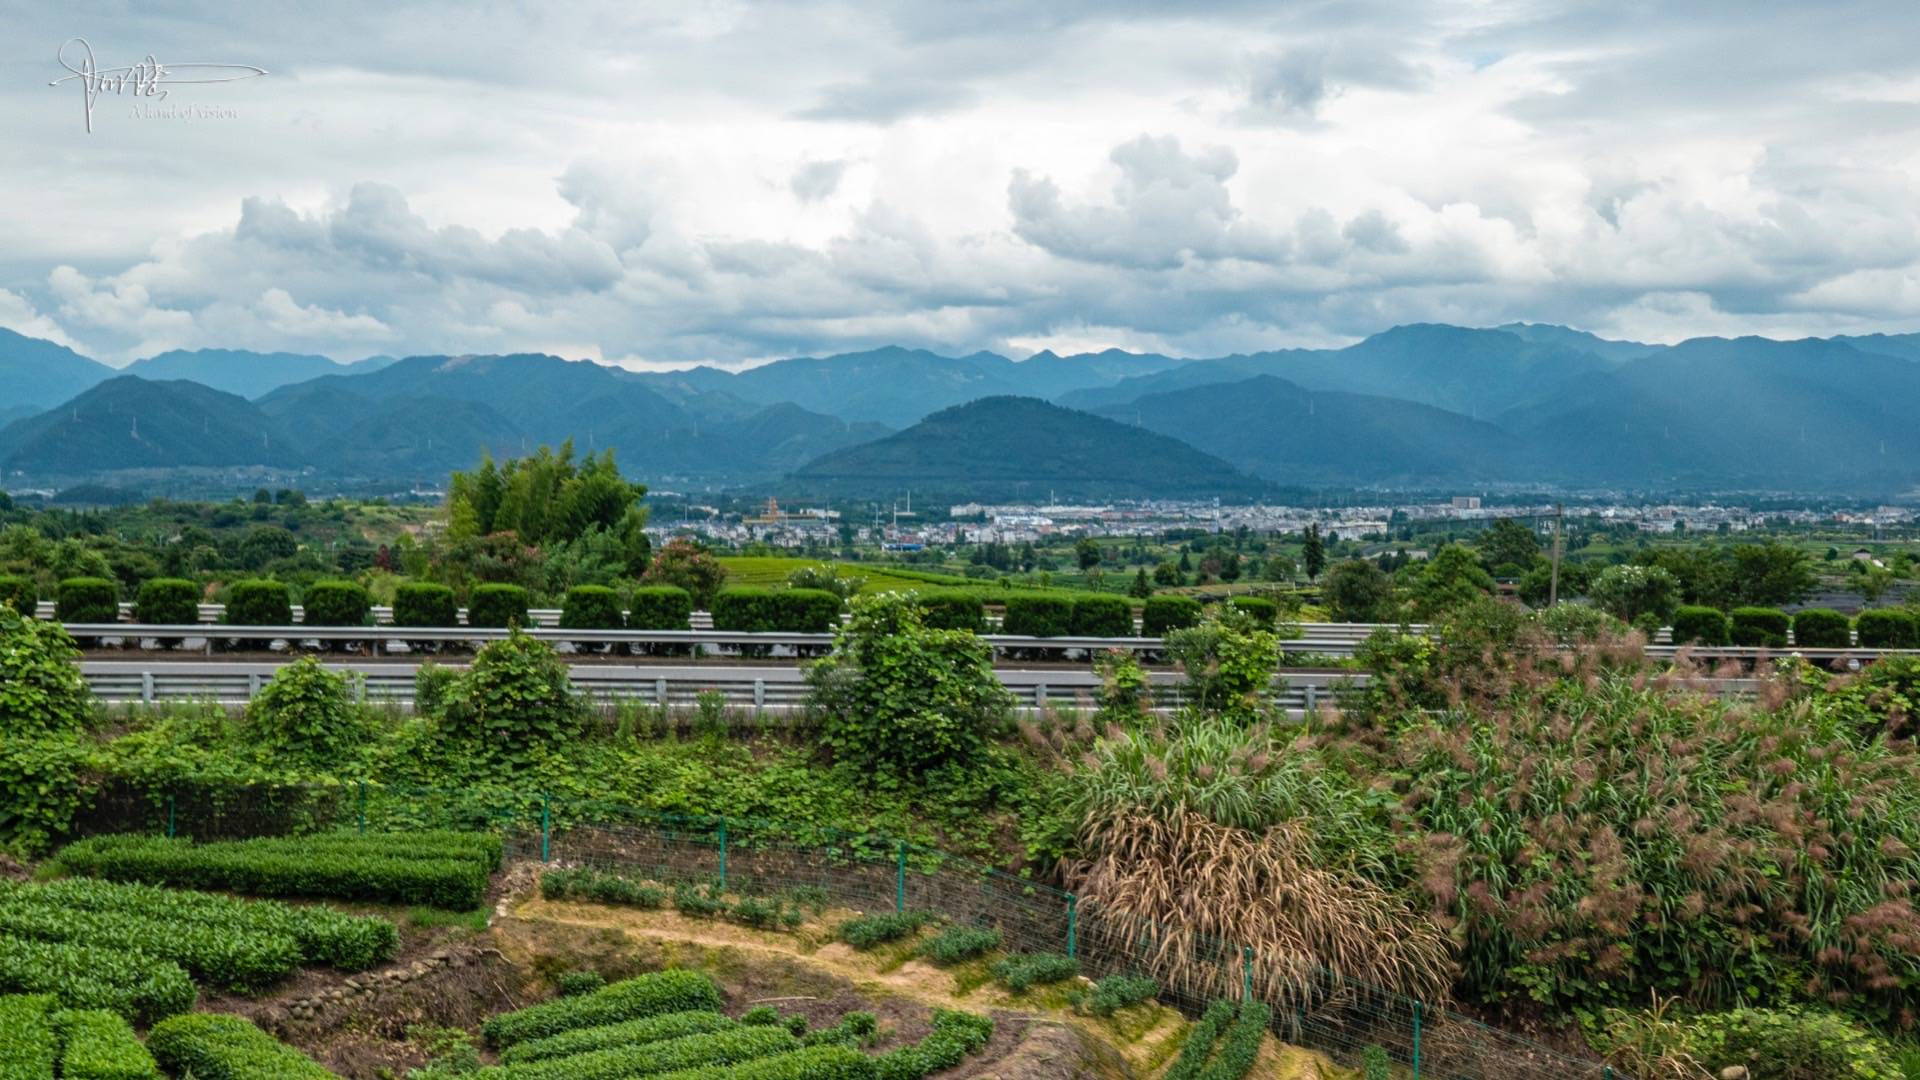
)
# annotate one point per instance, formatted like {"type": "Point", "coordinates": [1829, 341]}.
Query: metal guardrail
{"type": "Point", "coordinates": [771, 688]}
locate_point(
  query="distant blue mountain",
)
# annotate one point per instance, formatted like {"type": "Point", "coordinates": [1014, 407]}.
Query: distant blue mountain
{"type": "Point", "coordinates": [38, 374]}
{"type": "Point", "coordinates": [239, 371]}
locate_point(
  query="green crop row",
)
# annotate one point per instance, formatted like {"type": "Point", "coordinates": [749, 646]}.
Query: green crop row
{"type": "Point", "coordinates": [27, 1046]}
{"type": "Point", "coordinates": [867, 931]}
{"type": "Point", "coordinates": [233, 959]}
{"type": "Point", "coordinates": [628, 1033]}
{"type": "Point", "coordinates": [1023, 970]}
{"type": "Point", "coordinates": [716, 1048]}
{"type": "Point", "coordinates": [211, 1046]}
{"type": "Point", "coordinates": [812, 1063]}
{"type": "Point", "coordinates": [99, 1045]}
{"type": "Point", "coordinates": [954, 1036]}
{"type": "Point", "coordinates": [398, 873]}
{"type": "Point", "coordinates": [323, 935]}
{"type": "Point", "coordinates": [1237, 1029]}
{"type": "Point", "coordinates": [134, 984]}
{"type": "Point", "coordinates": [656, 994]}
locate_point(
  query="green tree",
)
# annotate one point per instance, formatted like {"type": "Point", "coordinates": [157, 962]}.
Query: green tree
{"type": "Point", "coordinates": [1313, 553]}
{"type": "Point", "coordinates": [1507, 543]}
{"type": "Point", "coordinates": [1141, 587]}
{"type": "Point", "coordinates": [1086, 552]}
{"type": "Point", "coordinates": [1452, 578]}
{"type": "Point", "coordinates": [1358, 591]}
{"type": "Point", "coordinates": [1229, 661]}
{"type": "Point", "coordinates": [685, 563]}
{"type": "Point", "coordinates": [1630, 592]}
{"type": "Point", "coordinates": [898, 698]}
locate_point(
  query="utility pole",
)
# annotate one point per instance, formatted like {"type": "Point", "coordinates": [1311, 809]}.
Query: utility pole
{"type": "Point", "coordinates": [1553, 582]}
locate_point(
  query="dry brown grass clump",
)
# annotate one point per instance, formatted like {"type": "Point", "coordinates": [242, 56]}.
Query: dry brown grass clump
{"type": "Point", "coordinates": [1180, 895]}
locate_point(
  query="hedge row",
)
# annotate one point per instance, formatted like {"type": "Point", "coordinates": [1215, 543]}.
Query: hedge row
{"type": "Point", "coordinates": [591, 607]}
{"type": "Point", "coordinates": [167, 602]}
{"type": "Point", "coordinates": [660, 607]}
{"type": "Point", "coordinates": [99, 1045]}
{"type": "Point", "coordinates": [1056, 615]}
{"type": "Point", "coordinates": [1815, 628]}
{"type": "Point", "coordinates": [1164, 613]}
{"type": "Point", "coordinates": [497, 605]}
{"type": "Point", "coordinates": [1822, 628]}
{"type": "Point", "coordinates": [1888, 628]}
{"type": "Point", "coordinates": [258, 603]}
{"type": "Point", "coordinates": [656, 994]}
{"type": "Point", "coordinates": [322, 935]}
{"type": "Point", "coordinates": [231, 958]}
{"type": "Point", "coordinates": [1759, 626]}
{"type": "Point", "coordinates": [627, 1033]}
{"type": "Point", "coordinates": [138, 986]}
{"type": "Point", "coordinates": [793, 611]}
{"type": "Point", "coordinates": [87, 600]}
{"type": "Point", "coordinates": [422, 603]}
{"type": "Point", "coordinates": [216, 1046]}
{"type": "Point", "coordinates": [1701, 626]}
{"type": "Point", "coordinates": [953, 609]}
{"type": "Point", "coordinates": [336, 603]}
{"type": "Point", "coordinates": [400, 870]}
{"type": "Point", "coordinates": [1238, 1045]}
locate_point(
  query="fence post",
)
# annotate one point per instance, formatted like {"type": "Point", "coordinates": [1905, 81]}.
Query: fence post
{"type": "Point", "coordinates": [169, 815]}
{"type": "Point", "coordinates": [1073, 924]}
{"type": "Point", "coordinates": [759, 697]}
{"type": "Point", "coordinates": [900, 878]}
{"type": "Point", "coordinates": [723, 854]}
{"type": "Point", "coordinates": [1416, 1040]}
{"type": "Point", "coordinates": [361, 808]}
{"type": "Point", "coordinates": [546, 830]}
{"type": "Point", "coordinates": [1246, 973]}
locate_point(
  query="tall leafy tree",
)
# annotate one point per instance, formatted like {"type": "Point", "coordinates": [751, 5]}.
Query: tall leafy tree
{"type": "Point", "coordinates": [1313, 554]}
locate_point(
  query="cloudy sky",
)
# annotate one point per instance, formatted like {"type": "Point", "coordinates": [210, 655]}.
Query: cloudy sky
{"type": "Point", "coordinates": [660, 183]}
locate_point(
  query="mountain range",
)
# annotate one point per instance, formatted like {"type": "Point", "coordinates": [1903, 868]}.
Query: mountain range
{"type": "Point", "coordinates": [1421, 406]}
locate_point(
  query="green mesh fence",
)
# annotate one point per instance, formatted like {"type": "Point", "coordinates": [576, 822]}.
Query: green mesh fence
{"type": "Point", "coordinates": [1312, 1006]}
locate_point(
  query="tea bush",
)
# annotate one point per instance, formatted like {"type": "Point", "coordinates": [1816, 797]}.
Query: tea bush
{"type": "Point", "coordinates": [657, 994]}
{"type": "Point", "coordinates": [216, 1046]}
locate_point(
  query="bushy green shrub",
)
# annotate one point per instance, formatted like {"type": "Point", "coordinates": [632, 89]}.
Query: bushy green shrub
{"type": "Point", "coordinates": [1164, 613]}
{"type": "Point", "coordinates": [167, 602]}
{"type": "Point", "coordinates": [40, 685]}
{"type": "Point", "coordinates": [140, 987]}
{"type": "Point", "coordinates": [27, 1040]}
{"type": "Point", "coordinates": [1200, 1040]}
{"type": "Point", "coordinates": [423, 603]}
{"type": "Point", "coordinates": [1761, 626]}
{"type": "Point", "coordinates": [1822, 628]}
{"type": "Point", "coordinates": [899, 698]}
{"type": "Point", "coordinates": [571, 983]}
{"type": "Point", "coordinates": [700, 901]}
{"type": "Point", "coordinates": [1024, 970]}
{"type": "Point", "coordinates": [656, 994]}
{"type": "Point", "coordinates": [763, 913]}
{"type": "Point", "coordinates": [336, 603]}
{"type": "Point", "coordinates": [87, 600]}
{"type": "Point", "coordinates": [400, 869]}
{"type": "Point", "coordinates": [1888, 628]}
{"type": "Point", "coordinates": [1100, 615]}
{"type": "Point", "coordinates": [791, 611]}
{"type": "Point", "coordinates": [1264, 611]}
{"type": "Point", "coordinates": [1241, 1045]}
{"type": "Point", "coordinates": [647, 1029]}
{"type": "Point", "coordinates": [852, 1028]}
{"type": "Point", "coordinates": [216, 1046]}
{"type": "Point", "coordinates": [1375, 1064]}
{"type": "Point", "coordinates": [99, 1045]}
{"type": "Point", "coordinates": [954, 1036]}
{"type": "Point", "coordinates": [307, 711]}
{"type": "Point", "coordinates": [18, 593]}
{"type": "Point", "coordinates": [515, 701]}
{"type": "Point", "coordinates": [591, 607]}
{"type": "Point", "coordinates": [1116, 992]}
{"type": "Point", "coordinates": [259, 602]}
{"type": "Point", "coordinates": [953, 609]}
{"type": "Point", "coordinates": [497, 605]}
{"type": "Point", "coordinates": [234, 958]}
{"type": "Point", "coordinates": [660, 607]}
{"type": "Point", "coordinates": [1038, 616]}
{"type": "Point", "coordinates": [870, 931]}
{"type": "Point", "coordinates": [1699, 625]}
{"type": "Point", "coordinates": [958, 943]}
{"type": "Point", "coordinates": [1790, 1044]}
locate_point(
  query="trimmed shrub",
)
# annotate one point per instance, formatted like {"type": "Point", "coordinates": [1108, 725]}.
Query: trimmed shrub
{"type": "Point", "coordinates": [1762, 626]}
{"type": "Point", "coordinates": [1200, 1039]}
{"type": "Point", "coordinates": [423, 603]}
{"type": "Point", "coordinates": [1701, 626]}
{"type": "Point", "coordinates": [1038, 616]}
{"type": "Point", "coordinates": [497, 605]}
{"type": "Point", "coordinates": [675, 990]}
{"type": "Point", "coordinates": [591, 607]}
{"type": "Point", "coordinates": [954, 1036]}
{"type": "Point", "coordinates": [400, 869]}
{"type": "Point", "coordinates": [1264, 611]}
{"type": "Point", "coordinates": [234, 958]}
{"type": "Point", "coordinates": [87, 600]}
{"type": "Point", "coordinates": [217, 1046]}
{"type": "Point", "coordinates": [18, 593]}
{"type": "Point", "coordinates": [958, 943]}
{"type": "Point", "coordinates": [660, 607]}
{"type": "Point", "coordinates": [1024, 970]}
{"type": "Point", "coordinates": [259, 602]}
{"type": "Point", "coordinates": [167, 602]}
{"type": "Point", "coordinates": [579, 982]}
{"type": "Point", "coordinates": [1241, 1044]}
{"type": "Point", "coordinates": [26, 1037]}
{"type": "Point", "coordinates": [1099, 615]}
{"type": "Point", "coordinates": [1888, 628]}
{"type": "Point", "coordinates": [1822, 628]}
{"type": "Point", "coordinates": [99, 1045]}
{"type": "Point", "coordinates": [336, 603]}
{"type": "Point", "coordinates": [868, 931]}
{"type": "Point", "coordinates": [953, 609]}
{"type": "Point", "coordinates": [709, 1052]}
{"type": "Point", "coordinates": [793, 611]}
{"type": "Point", "coordinates": [601, 887]}
{"type": "Point", "coordinates": [1164, 613]}
{"type": "Point", "coordinates": [140, 987]}
{"type": "Point", "coordinates": [1116, 992]}
{"type": "Point", "coordinates": [647, 1029]}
